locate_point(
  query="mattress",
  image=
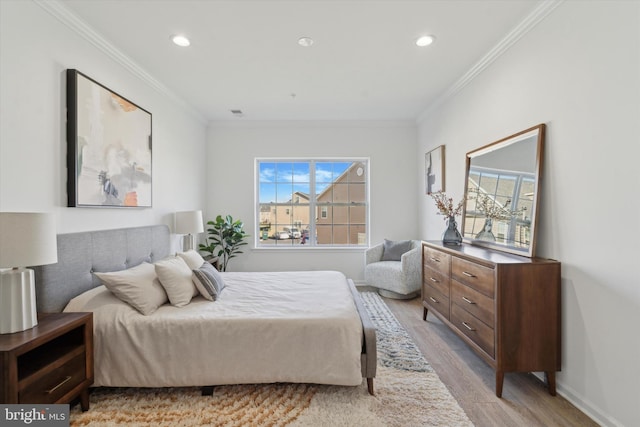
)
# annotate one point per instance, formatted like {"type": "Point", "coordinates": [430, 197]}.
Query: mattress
{"type": "Point", "coordinates": [265, 327]}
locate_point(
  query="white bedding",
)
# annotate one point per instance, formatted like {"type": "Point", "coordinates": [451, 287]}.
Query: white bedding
{"type": "Point", "coordinates": [265, 327]}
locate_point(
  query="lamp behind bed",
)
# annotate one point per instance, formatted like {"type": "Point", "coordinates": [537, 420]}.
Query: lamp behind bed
{"type": "Point", "coordinates": [189, 223]}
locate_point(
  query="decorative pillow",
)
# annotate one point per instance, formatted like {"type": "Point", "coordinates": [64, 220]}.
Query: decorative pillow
{"type": "Point", "coordinates": [192, 258]}
{"type": "Point", "coordinates": [208, 281]}
{"type": "Point", "coordinates": [393, 250]}
{"type": "Point", "coordinates": [137, 286]}
{"type": "Point", "coordinates": [175, 277]}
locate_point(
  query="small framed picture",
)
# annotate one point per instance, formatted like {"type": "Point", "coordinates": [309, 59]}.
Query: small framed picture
{"type": "Point", "coordinates": [434, 170]}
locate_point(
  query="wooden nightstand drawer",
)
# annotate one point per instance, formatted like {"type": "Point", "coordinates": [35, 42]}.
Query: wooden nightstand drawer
{"type": "Point", "coordinates": [55, 384]}
{"type": "Point", "coordinates": [437, 260]}
{"type": "Point", "coordinates": [476, 276]}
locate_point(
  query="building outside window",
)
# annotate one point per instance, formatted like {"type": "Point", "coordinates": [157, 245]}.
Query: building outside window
{"type": "Point", "coordinates": [310, 203]}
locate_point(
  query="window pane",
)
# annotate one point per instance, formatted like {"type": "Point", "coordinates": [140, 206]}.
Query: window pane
{"type": "Point", "coordinates": [324, 193]}
{"type": "Point", "coordinates": [357, 193]}
{"type": "Point", "coordinates": [283, 193]}
{"type": "Point", "coordinates": [340, 234]}
{"type": "Point", "coordinates": [357, 234]}
{"type": "Point", "coordinates": [267, 193]}
{"type": "Point", "coordinates": [324, 172]}
{"type": "Point", "coordinates": [284, 172]}
{"type": "Point", "coordinates": [324, 234]}
{"type": "Point", "coordinates": [341, 215]}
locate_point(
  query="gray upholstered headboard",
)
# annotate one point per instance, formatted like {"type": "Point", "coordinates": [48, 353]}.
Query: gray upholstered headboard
{"type": "Point", "coordinates": [80, 254]}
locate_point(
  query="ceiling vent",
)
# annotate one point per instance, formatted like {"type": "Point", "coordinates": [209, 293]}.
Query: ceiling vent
{"type": "Point", "coordinates": [237, 113]}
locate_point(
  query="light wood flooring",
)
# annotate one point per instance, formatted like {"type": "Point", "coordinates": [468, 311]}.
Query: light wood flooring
{"type": "Point", "coordinates": [525, 400]}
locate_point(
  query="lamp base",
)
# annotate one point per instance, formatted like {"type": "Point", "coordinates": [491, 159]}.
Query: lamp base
{"type": "Point", "coordinates": [18, 310]}
{"type": "Point", "coordinates": [188, 242]}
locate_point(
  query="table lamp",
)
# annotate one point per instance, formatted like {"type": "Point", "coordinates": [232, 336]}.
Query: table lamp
{"type": "Point", "coordinates": [26, 239]}
{"type": "Point", "coordinates": [189, 223]}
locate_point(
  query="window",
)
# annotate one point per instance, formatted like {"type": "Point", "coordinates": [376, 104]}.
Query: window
{"type": "Point", "coordinates": [312, 203]}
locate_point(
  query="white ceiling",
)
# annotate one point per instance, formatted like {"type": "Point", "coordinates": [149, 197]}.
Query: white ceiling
{"type": "Point", "coordinates": [364, 64]}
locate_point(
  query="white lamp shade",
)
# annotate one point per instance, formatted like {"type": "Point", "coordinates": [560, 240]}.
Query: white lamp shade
{"type": "Point", "coordinates": [189, 222]}
{"type": "Point", "coordinates": [27, 239]}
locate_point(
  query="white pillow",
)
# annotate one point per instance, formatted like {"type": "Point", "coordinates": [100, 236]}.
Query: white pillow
{"type": "Point", "coordinates": [192, 258]}
{"type": "Point", "coordinates": [137, 286]}
{"type": "Point", "coordinates": [175, 277]}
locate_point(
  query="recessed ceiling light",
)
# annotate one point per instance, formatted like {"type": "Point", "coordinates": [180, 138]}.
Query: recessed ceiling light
{"type": "Point", "coordinates": [181, 40]}
{"type": "Point", "coordinates": [425, 41]}
{"type": "Point", "coordinates": [305, 41]}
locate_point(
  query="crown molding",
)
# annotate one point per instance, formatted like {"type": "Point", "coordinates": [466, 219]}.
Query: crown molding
{"type": "Point", "coordinates": [68, 18]}
{"type": "Point", "coordinates": [528, 23]}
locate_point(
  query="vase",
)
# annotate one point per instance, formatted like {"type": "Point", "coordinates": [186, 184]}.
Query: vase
{"type": "Point", "coordinates": [486, 233]}
{"type": "Point", "coordinates": [451, 235]}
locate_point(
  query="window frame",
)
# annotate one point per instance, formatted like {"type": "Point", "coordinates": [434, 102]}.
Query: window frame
{"type": "Point", "coordinates": [314, 205]}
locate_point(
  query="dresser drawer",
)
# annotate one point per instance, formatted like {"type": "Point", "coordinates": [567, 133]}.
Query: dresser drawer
{"type": "Point", "coordinates": [436, 279]}
{"type": "Point", "coordinates": [476, 276]}
{"type": "Point", "coordinates": [56, 383]}
{"type": "Point", "coordinates": [436, 260]}
{"type": "Point", "coordinates": [474, 329]}
{"type": "Point", "coordinates": [481, 306]}
{"type": "Point", "coordinates": [435, 299]}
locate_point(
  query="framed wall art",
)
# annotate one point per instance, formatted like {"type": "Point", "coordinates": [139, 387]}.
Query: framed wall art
{"type": "Point", "coordinates": [108, 147]}
{"type": "Point", "coordinates": [434, 170]}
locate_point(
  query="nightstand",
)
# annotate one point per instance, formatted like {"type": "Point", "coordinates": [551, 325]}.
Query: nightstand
{"type": "Point", "coordinates": [50, 363]}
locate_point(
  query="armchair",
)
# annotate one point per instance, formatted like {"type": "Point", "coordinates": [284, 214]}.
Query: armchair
{"type": "Point", "coordinates": [394, 279]}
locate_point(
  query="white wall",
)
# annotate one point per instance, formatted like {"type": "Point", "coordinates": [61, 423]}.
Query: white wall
{"type": "Point", "coordinates": [35, 51]}
{"type": "Point", "coordinates": [390, 146]}
{"type": "Point", "coordinates": [578, 71]}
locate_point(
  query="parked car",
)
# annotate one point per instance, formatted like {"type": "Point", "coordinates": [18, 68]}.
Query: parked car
{"type": "Point", "coordinates": [293, 232]}
{"type": "Point", "coordinates": [281, 235]}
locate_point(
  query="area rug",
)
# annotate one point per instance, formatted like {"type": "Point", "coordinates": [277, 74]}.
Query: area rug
{"type": "Point", "coordinates": [408, 393]}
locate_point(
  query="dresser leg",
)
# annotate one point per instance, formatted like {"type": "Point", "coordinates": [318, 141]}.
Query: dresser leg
{"type": "Point", "coordinates": [84, 400]}
{"type": "Point", "coordinates": [551, 382]}
{"type": "Point", "coordinates": [499, 381]}
{"type": "Point", "coordinates": [424, 313]}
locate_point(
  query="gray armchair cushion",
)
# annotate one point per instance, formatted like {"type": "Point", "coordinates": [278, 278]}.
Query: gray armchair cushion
{"type": "Point", "coordinates": [393, 250]}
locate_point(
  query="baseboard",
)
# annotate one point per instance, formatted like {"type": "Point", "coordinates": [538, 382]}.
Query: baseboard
{"type": "Point", "coordinates": [588, 408]}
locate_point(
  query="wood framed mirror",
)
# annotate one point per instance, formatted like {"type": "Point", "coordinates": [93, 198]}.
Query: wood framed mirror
{"type": "Point", "coordinates": [502, 186]}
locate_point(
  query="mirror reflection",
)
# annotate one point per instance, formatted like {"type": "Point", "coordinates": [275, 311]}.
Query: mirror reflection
{"type": "Point", "coordinates": [502, 193]}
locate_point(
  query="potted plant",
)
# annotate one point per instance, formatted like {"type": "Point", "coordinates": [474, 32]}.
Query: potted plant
{"type": "Point", "coordinates": [226, 234]}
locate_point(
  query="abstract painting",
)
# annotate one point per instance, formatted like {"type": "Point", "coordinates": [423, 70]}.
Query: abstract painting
{"type": "Point", "coordinates": [108, 147]}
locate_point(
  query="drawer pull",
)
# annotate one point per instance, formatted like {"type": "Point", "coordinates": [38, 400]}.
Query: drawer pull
{"type": "Point", "coordinates": [434, 259]}
{"type": "Point", "coordinates": [433, 279]}
{"type": "Point", "coordinates": [63, 382]}
{"type": "Point", "coordinates": [467, 300]}
{"type": "Point", "coordinates": [467, 326]}
{"type": "Point", "coordinates": [468, 274]}
{"type": "Point", "coordinates": [433, 299]}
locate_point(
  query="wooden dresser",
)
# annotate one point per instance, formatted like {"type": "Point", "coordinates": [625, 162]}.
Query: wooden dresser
{"type": "Point", "coordinates": [506, 307]}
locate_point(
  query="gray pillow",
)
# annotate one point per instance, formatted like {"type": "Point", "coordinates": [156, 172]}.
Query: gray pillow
{"type": "Point", "coordinates": [393, 250]}
{"type": "Point", "coordinates": [208, 281]}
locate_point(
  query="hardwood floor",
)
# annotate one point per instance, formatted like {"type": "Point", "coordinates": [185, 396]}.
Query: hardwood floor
{"type": "Point", "coordinates": [525, 400]}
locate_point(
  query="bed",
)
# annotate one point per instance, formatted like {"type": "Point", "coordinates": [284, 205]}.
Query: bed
{"type": "Point", "coordinates": [302, 327]}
